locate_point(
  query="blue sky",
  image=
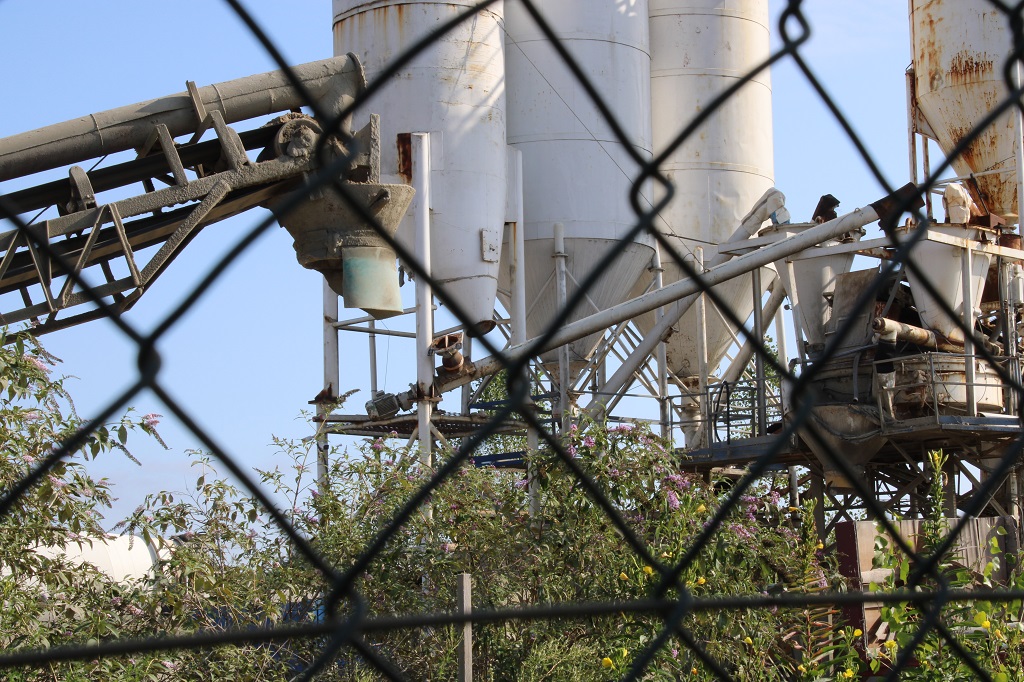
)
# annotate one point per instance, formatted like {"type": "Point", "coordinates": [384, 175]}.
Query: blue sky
{"type": "Point", "coordinates": [248, 357]}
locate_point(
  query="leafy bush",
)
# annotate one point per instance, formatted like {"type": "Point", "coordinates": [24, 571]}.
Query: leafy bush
{"type": "Point", "coordinates": [224, 566]}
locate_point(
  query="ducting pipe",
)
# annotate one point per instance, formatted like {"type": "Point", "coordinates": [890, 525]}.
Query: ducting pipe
{"type": "Point", "coordinates": [333, 83]}
{"type": "Point", "coordinates": [891, 330]}
{"type": "Point", "coordinates": [683, 288]}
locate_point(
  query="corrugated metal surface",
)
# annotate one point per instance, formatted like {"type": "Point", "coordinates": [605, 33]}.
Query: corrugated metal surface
{"type": "Point", "coordinates": [455, 90]}
{"type": "Point", "coordinates": [575, 171]}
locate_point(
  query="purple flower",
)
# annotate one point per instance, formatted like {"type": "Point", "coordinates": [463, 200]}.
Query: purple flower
{"type": "Point", "coordinates": [589, 441]}
{"type": "Point", "coordinates": [377, 445]}
{"type": "Point", "coordinates": [37, 363]}
{"type": "Point", "coordinates": [673, 501]}
{"type": "Point", "coordinates": [741, 531]}
{"type": "Point", "coordinates": [571, 449]}
{"type": "Point", "coordinates": [522, 483]}
{"type": "Point", "coordinates": [151, 420]}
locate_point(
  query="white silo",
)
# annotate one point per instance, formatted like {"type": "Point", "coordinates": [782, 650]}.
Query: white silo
{"type": "Point", "coordinates": [959, 50]}
{"type": "Point", "coordinates": [698, 49]}
{"type": "Point", "coordinates": [575, 170]}
{"type": "Point", "coordinates": [454, 90]}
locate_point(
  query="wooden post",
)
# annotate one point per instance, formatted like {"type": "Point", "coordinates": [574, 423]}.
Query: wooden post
{"type": "Point", "coordinates": [464, 597]}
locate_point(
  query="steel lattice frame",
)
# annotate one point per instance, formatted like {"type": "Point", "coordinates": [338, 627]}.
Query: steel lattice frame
{"type": "Point", "coordinates": [347, 623]}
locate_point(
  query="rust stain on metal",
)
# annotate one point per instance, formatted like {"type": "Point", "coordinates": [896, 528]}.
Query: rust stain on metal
{"type": "Point", "coordinates": [969, 67]}
{"type": "Point", "coordinates": [404, 142]}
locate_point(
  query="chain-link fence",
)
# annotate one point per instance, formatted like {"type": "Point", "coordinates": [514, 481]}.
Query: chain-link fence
{"type": "Point", "coordinates": [925, 593]}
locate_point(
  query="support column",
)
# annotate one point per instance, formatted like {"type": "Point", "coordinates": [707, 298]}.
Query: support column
{"type": "Point", "coordinates": [702, 355]}
{"type": "Point", "coordinates": [517, 267]}
{"type": "Point", "coordinates": [332, 382]}
{"type": "Point", "coordinates": [662, 354]}
{"type": "Point", "coordinates": [464, 597]}
{"type": "Point", "coordinates": [967, 258]}
{"type": "Point", "coordinates": [783, 357]}
{"type": "Point", "coordinates": [561, 297]}
{"type": "Point", "coordinates": [1018, 120]}
{"type": "Point", "coordinates": [424, 295]}
{"type": "Point", "coordinates": [761, 394]}
{"type": "Point", "coordinates": [373, 357]}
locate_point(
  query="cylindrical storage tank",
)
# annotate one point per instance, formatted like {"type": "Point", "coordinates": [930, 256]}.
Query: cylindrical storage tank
{"type": "Point", "coordinates": [959, 49]}
{"type": "Point", "coordinates": [575, 170]}
{"type": "Point", "coordinates": [122, 558]}
{"type": "Point", "coordinates": [698, 49]}
{"type": "Point", "coordinates": [454, 90]}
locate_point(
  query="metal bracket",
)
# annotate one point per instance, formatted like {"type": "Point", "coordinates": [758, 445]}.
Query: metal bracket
{"type": "Point", "coordinates": [82, 194]}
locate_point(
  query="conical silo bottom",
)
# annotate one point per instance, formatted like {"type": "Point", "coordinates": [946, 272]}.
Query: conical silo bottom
{"type": "Point", "coordinates": [683, 345]}
{"type": "Point", "coordinates": [584, 255]}
{"type": "Point", "coordinates": [475, 297]}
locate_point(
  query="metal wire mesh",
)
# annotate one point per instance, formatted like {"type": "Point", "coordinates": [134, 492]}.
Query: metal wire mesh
{"type": "Point", "coordinates": [347, 624]}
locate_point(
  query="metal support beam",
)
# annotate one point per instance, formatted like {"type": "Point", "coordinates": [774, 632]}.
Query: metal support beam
{"type": "Point", "coordinates": [332, 383]}
{"type": "Point", "coordinates": [424, 295]}
{"type": "Point", "coordinates": [562, 412]}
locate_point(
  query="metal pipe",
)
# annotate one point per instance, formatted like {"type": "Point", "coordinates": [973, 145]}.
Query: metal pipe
{"type": "Point", "coordinates": [561, 297]}
{"type": "Point", "coordinates": [679, 293]}
{"type": "Point", "coordinates": [762, 411]}
{"type": "Point", "coordinates": [662, 355]}
{"type": "Point", "coordinates": [1018, 120]}
{"type": "Point", "coordinates": [420, 143]}
{"type": "Point", "coordinates": [727, 270]}
{"type": "Point", "coordinates": [373, 357]}
{"type": "Point", "coordinates": [702, 358]}
{"type": "Point", "coordinates": [916, 335]}
{"type": "Point", "coordinates": [333, 83]}
{"type": "Point", "coordinates": [922, 337]}
{"type": "Point", "coordinates": [967, 258]}
{"type": "Point", "coordinates": [911, 124]}
{"type": "Point", "coordinates": [332, 383]}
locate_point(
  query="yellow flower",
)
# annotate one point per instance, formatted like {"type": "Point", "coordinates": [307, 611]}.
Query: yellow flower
{"type": "Point", "coordinates": [800, 667]}
{"type": "Point", "coordinates": [847, 673]}
{"type": "Point", "coordinates": [820, 546]}
{"type": "Point", "coordinates": [857, 632]}
{"type": "Point", "coordinates": [891, 644]}
{"type": "Point", "coordinates": [987, 624]}
{"type": "Point", "coordinates": [607, 663]}
{"type": "Point", "coordinates": [701, 580]}
{"type": "Point", "coordinates": [648, 571]}
{"type": "Point", "coordinates": [795, 509]}
{"type": "Point", "coordinates": [701, 509]}
{"type": "Point", "coordinates": [693, 670]}
{"type": "Point", "coordinates": [666, 555]}
{"type": "Point", "coordinates": [623, 576]}
{"type": "Point", "coordinates": [749, 641]}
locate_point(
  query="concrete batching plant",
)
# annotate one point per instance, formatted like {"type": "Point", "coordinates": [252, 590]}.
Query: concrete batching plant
{"type": "Point", "coordinates": [520, 183]}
